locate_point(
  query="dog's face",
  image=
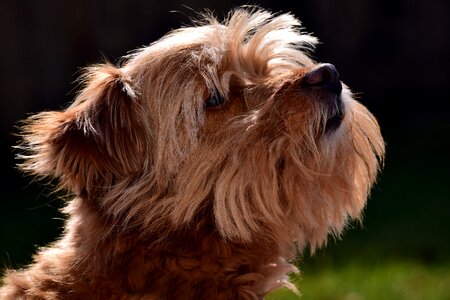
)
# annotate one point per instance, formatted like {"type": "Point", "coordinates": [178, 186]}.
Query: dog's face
{"type": "Point", "coordinates": [229, 124]}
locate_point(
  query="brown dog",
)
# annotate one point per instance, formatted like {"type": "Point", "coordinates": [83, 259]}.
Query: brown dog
{"type": "Point", "coordinates": [199, 166]}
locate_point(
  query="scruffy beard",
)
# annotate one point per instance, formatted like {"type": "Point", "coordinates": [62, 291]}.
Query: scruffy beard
{"type": "Point", "coordinates": [274, 181]}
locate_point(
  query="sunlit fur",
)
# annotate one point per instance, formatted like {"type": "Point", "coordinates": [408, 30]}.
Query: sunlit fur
{"type": "Point", "coordinates": [173, 200]}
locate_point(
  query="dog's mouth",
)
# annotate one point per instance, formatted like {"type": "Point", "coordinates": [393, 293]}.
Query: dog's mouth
{"type": "Point", "coordinates": [337, 114]}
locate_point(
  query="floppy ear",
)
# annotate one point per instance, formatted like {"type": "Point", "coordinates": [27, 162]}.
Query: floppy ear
{"type": "Point", "coordinates": [98, 139]}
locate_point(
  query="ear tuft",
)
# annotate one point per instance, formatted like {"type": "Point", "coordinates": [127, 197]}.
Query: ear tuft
{"type": "Point", "coordinates": [95, 141]}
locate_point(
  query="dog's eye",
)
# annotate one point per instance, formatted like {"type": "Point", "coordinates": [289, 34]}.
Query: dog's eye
{"type": "Point", "coordinates": [214, 101]}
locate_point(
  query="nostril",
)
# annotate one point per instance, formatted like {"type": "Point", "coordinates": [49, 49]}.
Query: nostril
{"type": "Point", "coordinates": [324, 76]}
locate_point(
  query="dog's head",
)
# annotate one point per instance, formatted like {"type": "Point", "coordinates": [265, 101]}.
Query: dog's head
{"type": "Point", "coordinates": [230, 122]}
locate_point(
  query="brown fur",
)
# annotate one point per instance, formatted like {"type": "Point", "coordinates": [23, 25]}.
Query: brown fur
{"type": "Point", "coordinates": [175, 200]}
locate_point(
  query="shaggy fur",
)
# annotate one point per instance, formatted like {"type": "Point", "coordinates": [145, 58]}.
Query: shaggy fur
{"type": "Point", "coordinates": [178, 197]}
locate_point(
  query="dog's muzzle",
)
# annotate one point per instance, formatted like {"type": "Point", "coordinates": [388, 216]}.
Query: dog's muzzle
{"type": "Point", "coordinates": [325, 80]}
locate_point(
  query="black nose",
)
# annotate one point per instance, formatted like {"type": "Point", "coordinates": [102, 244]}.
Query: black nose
{"type": "Point", "coordinates": [324, 76]}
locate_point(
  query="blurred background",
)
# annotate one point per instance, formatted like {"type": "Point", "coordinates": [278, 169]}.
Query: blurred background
{"type": "Point", "coordinates": [393, 53]}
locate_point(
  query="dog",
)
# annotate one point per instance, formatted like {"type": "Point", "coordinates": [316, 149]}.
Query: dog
{"type": "Point", "coordinates": [200, 167]}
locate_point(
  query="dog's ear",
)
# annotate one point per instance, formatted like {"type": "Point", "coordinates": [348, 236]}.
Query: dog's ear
{"type": "Point", "coordinates": [98, 139]}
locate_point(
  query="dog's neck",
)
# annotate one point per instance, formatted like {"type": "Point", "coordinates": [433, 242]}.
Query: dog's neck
{"type": "Point", "coordinates": [199, 262]}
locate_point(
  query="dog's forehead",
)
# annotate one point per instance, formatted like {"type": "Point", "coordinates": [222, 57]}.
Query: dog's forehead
{"type": "Point", "coordinates": [254, 44]}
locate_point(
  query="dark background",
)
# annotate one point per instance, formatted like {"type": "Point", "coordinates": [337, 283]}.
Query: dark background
{"type": "Point", "coordinates": [393, 53]}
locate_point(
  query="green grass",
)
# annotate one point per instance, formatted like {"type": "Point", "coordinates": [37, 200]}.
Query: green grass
{"type": "Point", "coordinates": [389, 281]}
